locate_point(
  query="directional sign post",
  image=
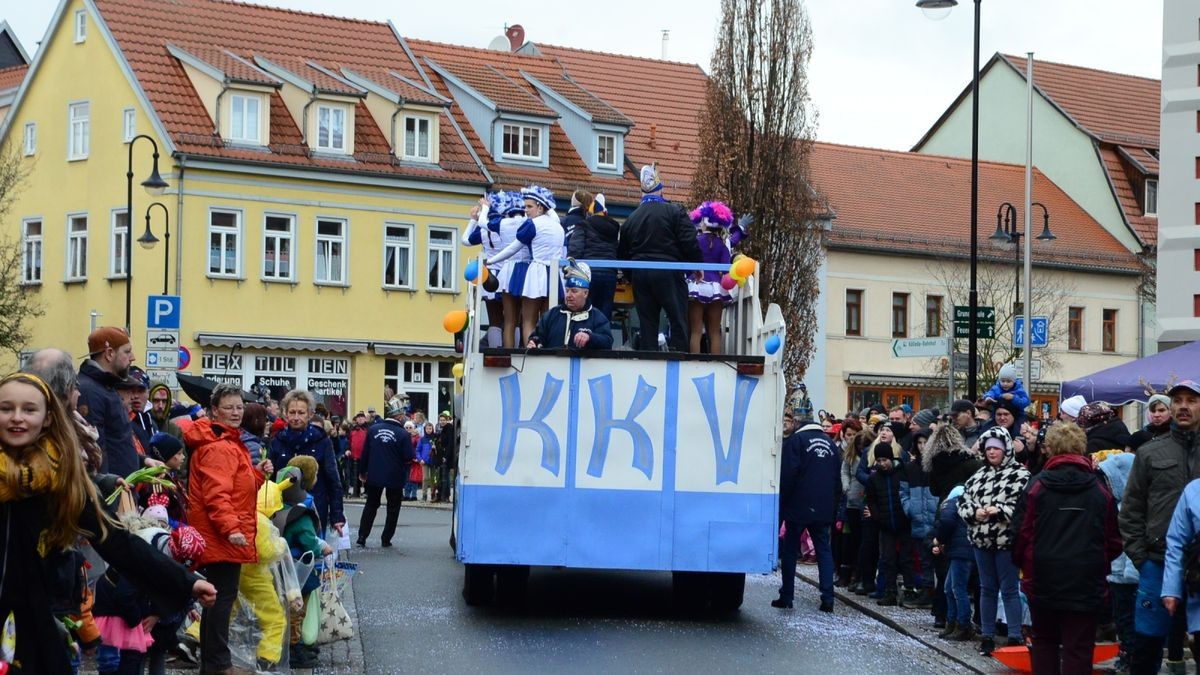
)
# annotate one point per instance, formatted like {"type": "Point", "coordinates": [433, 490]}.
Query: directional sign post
{"type": "Point", "coordinates": [1040, 337]}
{"type": "Point", "coordinates": [934, 346]}
{"type": "Point", "coordinates": [162, 337]}
{"type": "Point", "coordinates": [985, 322]}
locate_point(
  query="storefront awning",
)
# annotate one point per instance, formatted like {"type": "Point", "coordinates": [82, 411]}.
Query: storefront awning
{"type": "Point", "coordinates": [295, 344]}
{"type": "Point", "coordinates": [890, 381]}
{"type": "Point", "coordinates": [414, 349]}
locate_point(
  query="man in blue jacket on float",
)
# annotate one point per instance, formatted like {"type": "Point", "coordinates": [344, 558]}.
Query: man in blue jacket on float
{"type": "Point", "coordinates": [574, 324]}
{"type": "Point", "coordinates": [809, 489]}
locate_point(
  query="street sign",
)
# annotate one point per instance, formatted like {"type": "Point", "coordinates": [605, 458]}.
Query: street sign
{"type": "Point", "coordinates": [1035, 368]}
{"type": "Point", "coordinates": [167, 376]}
{"type": "Point", "coordinates": [185, 358]}
{"type": "Point", "coordinates": [983, 331]}
{"type": "Point", "coordinates": [161, 339]}
{"type": "Point", "coordinates": [934, 346]}
{"type": "Point", "coordinates": [162, 359]}
{"type": "Point", "coordinates": [1040, 337]}
{"type": "Point", "coordinates": [961, 360]}
{"type": "Point", "coordinates": [162, 312]}
{"type": "Point", "coordinates": [962, 314]}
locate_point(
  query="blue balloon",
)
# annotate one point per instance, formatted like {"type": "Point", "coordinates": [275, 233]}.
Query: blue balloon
{"type": "Point", "coordinates": [471, 271]}
{"type": "Point", "coordinates": [773, 344]}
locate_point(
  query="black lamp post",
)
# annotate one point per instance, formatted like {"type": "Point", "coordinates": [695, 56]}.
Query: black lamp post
{"type": "Point", "coordinates": [1008, 230]}
{"type": "Point", "coordinates": [155, 186]}
{"type": "Point", "coordinates": [931, 7]}
{"type": "Point", "coordinates": [148, 240]}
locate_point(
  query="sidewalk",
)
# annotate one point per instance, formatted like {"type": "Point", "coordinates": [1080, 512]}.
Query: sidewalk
{"type": "Point", "coordinates": [916, 624]}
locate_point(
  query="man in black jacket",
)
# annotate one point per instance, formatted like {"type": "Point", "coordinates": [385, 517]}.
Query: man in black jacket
{"type": "Point", "coordinates": [659, 231]}
{"type": "Point", "coordinates": [596, 239]}
{"type": "Point", "coordinates": [109, 356]}
{"type": "Point", "coordinates": [383, 469]}
{"type": "Point", "coordinates": [810, 487]}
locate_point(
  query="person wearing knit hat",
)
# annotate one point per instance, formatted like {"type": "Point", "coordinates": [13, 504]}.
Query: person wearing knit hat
{"type": "Point", "coordinates": [308, 468]}
{"type": "Point", "coordinates": [657, 232]}
{"type": "Point", "coordinates": [1158, 416]}
{"type": "Point", "coordinates": [1069, 409]}
{"type": "Point", "coordinates": [1009, 388]}
{"type": "Point", "coordinates": [596, 239]}
{"type": "Point", "coordinates": [923, 419]}
{"type": "Point", "coordinates": [109, 356]}
{"type": "Point", "coordinates": [534, 252]}
{"type": "Point", "coordinates": [574, 324]}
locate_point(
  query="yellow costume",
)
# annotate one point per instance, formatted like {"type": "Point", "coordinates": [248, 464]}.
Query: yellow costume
{"type": "Point", "coordinates": [257, 584]}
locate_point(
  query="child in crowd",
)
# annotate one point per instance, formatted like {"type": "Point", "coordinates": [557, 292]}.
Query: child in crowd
{"type": "Point", "coordinates": [951, 541]}
{"type": "Point", "coordinates": [1009, 389]}
{"type": "Point", "coordinates": [424, 449]}
{"type": "Point", "coordinates": [169, 450]}
{"type": "Point", "coordinates": [123, 614]}
{"type": "Point", "coordinates": [185, 545]}
{"type": "Point", "coordinates": [300, 525]}
{"type": "Point", "coordinates": [884, 507]}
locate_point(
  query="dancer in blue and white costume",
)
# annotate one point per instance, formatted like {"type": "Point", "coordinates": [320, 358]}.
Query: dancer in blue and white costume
{"type": "Point", "coordinates": [483, 229]}
{"type": "Point", "coordinates": [541, 235]}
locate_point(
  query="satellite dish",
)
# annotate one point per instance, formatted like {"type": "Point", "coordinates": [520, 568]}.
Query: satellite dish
{"type": "Point", "coordinates": [500, 44]}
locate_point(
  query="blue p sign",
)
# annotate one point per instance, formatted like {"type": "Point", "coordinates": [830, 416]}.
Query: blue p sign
{"type": "Point", "coordinates": [162, 312]}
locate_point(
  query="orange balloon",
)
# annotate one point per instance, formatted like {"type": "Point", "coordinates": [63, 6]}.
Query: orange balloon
{"type": "Point", "coordinates": [483, 275]}
{"type": "Point", "coordinates": [455, 320]}
{"type": "Point", "coordinates": [745, 266]}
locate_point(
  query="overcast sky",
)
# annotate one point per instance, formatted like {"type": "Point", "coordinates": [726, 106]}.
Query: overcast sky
{"type": "Point", "coordinates": [881, 72]}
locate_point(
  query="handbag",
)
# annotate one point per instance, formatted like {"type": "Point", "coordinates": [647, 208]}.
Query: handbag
{"type": "Point", "coordinates": [335, 621]}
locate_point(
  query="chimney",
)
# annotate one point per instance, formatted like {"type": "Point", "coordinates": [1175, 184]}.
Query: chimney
{"type": "Point", "coordinates": [516, 36]}
{"type": "Point", "coordinates": [666, 37]}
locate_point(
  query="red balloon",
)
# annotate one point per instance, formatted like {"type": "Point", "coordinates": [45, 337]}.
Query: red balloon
{"type": "Point", "coordinates": [728, 282]}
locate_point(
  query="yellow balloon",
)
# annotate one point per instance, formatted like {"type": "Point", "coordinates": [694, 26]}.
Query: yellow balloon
{"type": "Point", "coordinates": [735, 275]}
{"type": "Point", "coordinates": [455, 320]}
{"type": "Point", "coordinates": [745, 266]}
{"type": "Point", "coordinates": [457, 370]}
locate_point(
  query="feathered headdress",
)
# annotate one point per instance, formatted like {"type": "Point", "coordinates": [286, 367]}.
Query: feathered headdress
{"type": "Point", "coordinates": [714, 213]}
{"type": "Point", "coordinates": [540, 195]}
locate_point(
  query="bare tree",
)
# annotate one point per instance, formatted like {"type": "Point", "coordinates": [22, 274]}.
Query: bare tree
{"type": "Point", "coordinates": [997, 288]}
{"type": "Point", "coordinates": [756, 128]}
{"type": "Point", "coordinates": [18, 304]}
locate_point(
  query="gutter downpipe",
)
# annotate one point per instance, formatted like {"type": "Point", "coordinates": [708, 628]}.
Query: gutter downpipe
{"type": "Point", "coordinates": [399, 109]}
{"type": "Point", "coordinates": [217, 116]}
{"type": "Point", "coordinates": [304, 115]}
{"type": "Point", "coordinates": [179, 225]}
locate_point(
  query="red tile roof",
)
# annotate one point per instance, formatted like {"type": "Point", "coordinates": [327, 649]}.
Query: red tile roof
{"type": "Point", "coordinates": [585, 100]}
{"type": "Point", "coordinates": [11, 77]}
{"type": "Point", "coordinates": [412, 92]}
{"type": "Point", "coordinates": [232, 66]}
{"type": "Point", "coordinates": [663, 98]}
{"type": "Point", "coordinates": [291, 39]}
{"type": "Point", "coordinates": [920, 204]}
{"type": "Point", "coordinates": [567, 169]}
{"type": "Point", "coordinates": [1146, 228]}
{"type": "Point", "coordinates": [1117, 108]}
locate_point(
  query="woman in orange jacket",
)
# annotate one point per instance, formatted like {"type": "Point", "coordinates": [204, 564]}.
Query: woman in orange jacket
{"type": "Point", "coordinates": [222, 486]}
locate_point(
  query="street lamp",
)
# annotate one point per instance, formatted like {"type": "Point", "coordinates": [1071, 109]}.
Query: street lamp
{"type": "Point", "coordinates": [1009, 231]}
{"type": "Point", "coordinates": [934, 7]}
{"type": "Point", "coordinates": [148, 240]}
{"type": "Point", "coordinates": [155, 186]}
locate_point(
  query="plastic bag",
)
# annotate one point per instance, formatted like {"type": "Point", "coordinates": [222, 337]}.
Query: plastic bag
{"type": "Point", "coordinates": [244, 635]}
{"type": "Point", "coordinates": [310, 630]}
{"type": "Point", "coordinates": [8, 640]}
{"type": "Point", "coordinates": [286, 582]}
{"type": "Point", "coordinates": [304, 567]}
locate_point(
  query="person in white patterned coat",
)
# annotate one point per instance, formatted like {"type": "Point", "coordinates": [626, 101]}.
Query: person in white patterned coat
{"type": "Point", "coordinates": [989, 498]}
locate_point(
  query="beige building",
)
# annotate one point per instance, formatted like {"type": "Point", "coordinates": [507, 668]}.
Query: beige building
{"type": "Point", "coordinates": [897, 266]}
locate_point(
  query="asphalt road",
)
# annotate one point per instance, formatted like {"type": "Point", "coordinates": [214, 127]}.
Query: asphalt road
{"type": "Point", "coordinates": [413, 620]}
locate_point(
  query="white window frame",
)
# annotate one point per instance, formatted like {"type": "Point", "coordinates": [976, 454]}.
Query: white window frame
{"type": "Point", "coordinates": [116, 245]}
{"type": "Point", "coordinates": [324, 273]}
{"type": "Point", "coordinates": [280, 237]}
{"type": "Point", "coordinates": [80, 25]}
{"type": "Point", "coordinates": [332, 112]}
{"type": "Point", "coordinates": [442, 250]}
{"type": "Point", "coordinates": [535, 132]}
{"type": "Point", "coordinates": [29, 141]}
{"type": "Point", "coordinates": [1151, 210]}
{"type": "Point", "coordinates": [416, 155]}
{"type": "Point", "coordinates": [80, 124]}
{"type": "Point", "coordinates": [225, 232]}
{"type": "Point", "coordinates": [32, 246]}
{"type": "Point", "coordinates": [76, 249]}
{"type": "Point", "coordinates": [394, 243]}
{"type": "Point", "coordinates": [600, 138]}
{"type": "Point", "coordinates": [128, 124]}
{"type": "Point", "coordinates": [245, 132]}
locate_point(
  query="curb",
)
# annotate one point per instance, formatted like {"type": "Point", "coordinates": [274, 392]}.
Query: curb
{"type": "Point", "coordinates": [851, 600]}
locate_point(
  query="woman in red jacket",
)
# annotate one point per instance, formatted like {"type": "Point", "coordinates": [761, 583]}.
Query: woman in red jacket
{"type": "Point", "coordinates": [222, 486]}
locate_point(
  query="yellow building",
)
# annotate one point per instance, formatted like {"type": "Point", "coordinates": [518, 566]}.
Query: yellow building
{"type": "Point", "coordinates": [317, 193]}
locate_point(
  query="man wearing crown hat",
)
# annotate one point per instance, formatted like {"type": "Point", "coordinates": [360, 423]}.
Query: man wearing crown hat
{"type": "Point", "coordinates": [659, 231]}
{"type": "Point", "coordinates": [574, 324]}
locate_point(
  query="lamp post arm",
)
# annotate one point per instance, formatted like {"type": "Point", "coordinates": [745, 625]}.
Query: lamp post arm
{"type": "Point", "coordinates": [129, 229]}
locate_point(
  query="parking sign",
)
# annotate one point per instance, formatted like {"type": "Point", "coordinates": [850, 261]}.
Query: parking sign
{"type": "Point", "coordinates": [162, 312]}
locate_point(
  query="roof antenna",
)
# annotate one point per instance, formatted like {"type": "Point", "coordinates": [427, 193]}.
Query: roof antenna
{"type": "Point", "coordinates": [666, 36]}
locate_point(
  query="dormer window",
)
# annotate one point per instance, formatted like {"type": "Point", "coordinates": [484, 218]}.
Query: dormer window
{"type": "Point", "coordinates": [245, 119]}
{"type": "Point", "coordinates": [522, 142]}
{"type": "Point", "coordinates": [1151, 197]}
{"type": "Point", "coordinates": [606, 151]}
{"type": "Point", "coordinates": [331, 128]}
{"type": "Point", "coordinates": [417, 139]}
